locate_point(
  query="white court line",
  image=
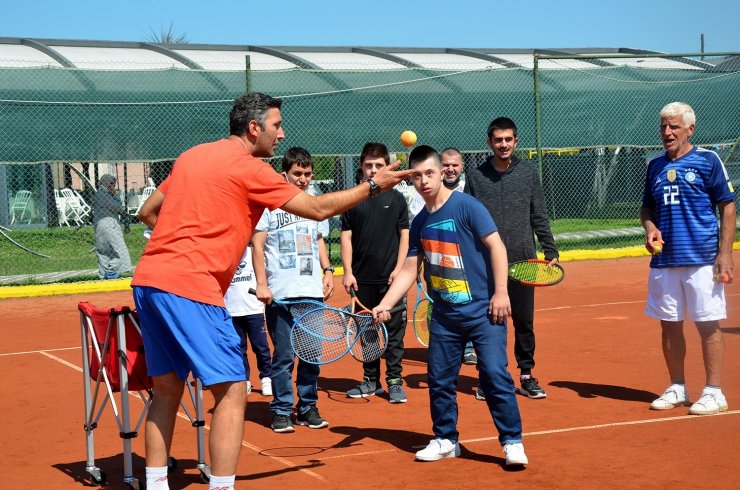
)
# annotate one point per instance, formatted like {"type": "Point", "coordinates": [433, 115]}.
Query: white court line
{"type": "Point", "coordinates": [555, 308]}
{"type": "Point", "coordinates": [205, 426]}
{"type": "Point", "coordinates": [596, 305]}
{"type": "Point", "coordinates": [603, 426]}
{"type": "Point", "coordinates": [41, 351]}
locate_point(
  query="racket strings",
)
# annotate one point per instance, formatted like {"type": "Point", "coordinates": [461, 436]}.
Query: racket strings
{"type": "Point", "coordinates": [370, 339]}
{"type": "Point", "coordinates": [320, 335]}
{"type": "Point", "coordinates": [422, 317]}
{"type": "Point", "coordinates": [536, 273]}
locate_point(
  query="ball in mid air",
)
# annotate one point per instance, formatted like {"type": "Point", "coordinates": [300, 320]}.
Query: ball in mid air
{"type": "Point", "coordinates": [408, 138]}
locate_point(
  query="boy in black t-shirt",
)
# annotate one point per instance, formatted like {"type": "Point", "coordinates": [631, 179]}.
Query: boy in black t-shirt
{"type": "Point", "coordinates": [374, 242]}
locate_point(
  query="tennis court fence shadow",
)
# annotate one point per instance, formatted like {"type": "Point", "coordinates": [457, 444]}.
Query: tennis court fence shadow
{"type": "Point", "coordinates": [593, 390]}
{"type": "Point", "coordinates": [730, 330]}
{"type": "Point", "coordinates": [114, 472]}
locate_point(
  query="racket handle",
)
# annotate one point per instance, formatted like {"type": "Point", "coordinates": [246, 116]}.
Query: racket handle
{"type": "Point", "coordinates": [396, 309]}
{"type": "Point", "coordinates": [253, 291]}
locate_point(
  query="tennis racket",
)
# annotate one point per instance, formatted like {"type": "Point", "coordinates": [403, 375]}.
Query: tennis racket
{"type": "Point", "coordinates": [536, 272]}
{"type": "Point", "coordinates": [422, 313]}
{"type": "Point", "coordinates": [366, 339]}
{"type": "Point", "coordinates": [295, 307]}
{"type": "Point", "coordinates": [326, 334]}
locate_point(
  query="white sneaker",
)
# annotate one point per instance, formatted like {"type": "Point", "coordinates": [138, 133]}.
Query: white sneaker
{"type": "Point", "coordinates": [515, 454]}
{"type": "Point", "coordinates": [708, 404]}
{"type": "Point", "coordinates": [249, 387]}
{"type": "Point", "coordinates": [674, 396]}
{"type": "Point", "coordinates": [266, 386]}
{"type": "Point", "coordinates": [438, 449]}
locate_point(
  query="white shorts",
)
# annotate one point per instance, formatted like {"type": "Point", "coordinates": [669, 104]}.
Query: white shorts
{"type": "Point", "coordinates": [673, 290]}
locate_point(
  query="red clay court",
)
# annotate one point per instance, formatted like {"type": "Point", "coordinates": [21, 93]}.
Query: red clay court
{"type": "Point", "coordinates": [598, 357]}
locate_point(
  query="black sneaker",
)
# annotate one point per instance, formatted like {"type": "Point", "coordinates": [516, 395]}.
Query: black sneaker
{"type": "Point", "coordinates": [479, 395]}
{"type": "Point", "coordinates": [282, 423]}
{"type": "Point", "coordinates": [312, 419]}
{"type": "Point", "coordinates": [531, 389]}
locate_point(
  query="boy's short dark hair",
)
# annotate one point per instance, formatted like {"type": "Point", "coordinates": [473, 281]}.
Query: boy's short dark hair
{"type": "Point", "coordinates": [501, 123]}
{"type": "Point", "coordinates": [422, 153]}
{"type": "Point", "coordinates": [297, 156]}
{"type": "Point", "coordinates": [375, 150]}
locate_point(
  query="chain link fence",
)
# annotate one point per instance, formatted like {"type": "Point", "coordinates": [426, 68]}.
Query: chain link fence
{"type": "Point", "coordinates": [589, 123]}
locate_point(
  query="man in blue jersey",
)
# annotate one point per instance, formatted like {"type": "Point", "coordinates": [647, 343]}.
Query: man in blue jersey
{"type": "Point", "coordinates": [465, 267]}
{"type": "Point", "coordinates": [683, 189]}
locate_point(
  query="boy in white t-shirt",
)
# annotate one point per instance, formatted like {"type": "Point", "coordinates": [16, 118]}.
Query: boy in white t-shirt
{"type": "Point", "coordinates": [248, 316]}
{"type": "Point", "coordinates": [291, 263]}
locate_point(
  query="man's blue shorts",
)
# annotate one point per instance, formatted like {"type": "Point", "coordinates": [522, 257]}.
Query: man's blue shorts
{"type": "Point", "coordinates": [186, 336]}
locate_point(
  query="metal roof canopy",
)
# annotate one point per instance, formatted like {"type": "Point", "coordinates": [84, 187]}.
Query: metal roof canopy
{"type": "Point", "coordinates": [403, 57]}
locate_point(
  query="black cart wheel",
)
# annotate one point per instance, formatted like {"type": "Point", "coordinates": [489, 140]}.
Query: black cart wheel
{"type": "Point", "coordinates": [101, 479]}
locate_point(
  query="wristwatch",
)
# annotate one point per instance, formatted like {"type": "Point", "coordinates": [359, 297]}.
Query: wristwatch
{"type": "Point", "coordinates": [374, 188]}
{"type": "Point", "coordinates": [329, 269]}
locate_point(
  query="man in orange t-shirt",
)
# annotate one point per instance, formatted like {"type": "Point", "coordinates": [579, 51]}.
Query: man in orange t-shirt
{"type": "Point", "coordinates": [203, 215]}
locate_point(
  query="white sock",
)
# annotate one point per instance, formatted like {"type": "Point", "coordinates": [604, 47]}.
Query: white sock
{"type": "Point", "coordinates": [712, 390]}
{"type": "Point", "coordinates": [221, 482]}
{"type": "Point", "coordinates": [156, 478]}
{"type": "Point", "coordinates": [679, 387]}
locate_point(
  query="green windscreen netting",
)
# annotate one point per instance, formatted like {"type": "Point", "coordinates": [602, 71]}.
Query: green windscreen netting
{"type": "Point", "coordinates": [595, 123]}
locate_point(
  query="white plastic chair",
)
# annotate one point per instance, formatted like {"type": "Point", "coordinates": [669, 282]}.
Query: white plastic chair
{"type": "Point", "coordinates": [20, 203]}
{"type": "Point", "coordinates": [75, 210]}
{"type": "Point", "coordinates": [83, 205]}
{"type": "Point", "coordinates": [61, 204]}
{"type": "Point", "coordinates": [146, 192]}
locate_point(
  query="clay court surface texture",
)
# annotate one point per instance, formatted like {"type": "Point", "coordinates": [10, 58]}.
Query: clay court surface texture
{"type": "Point", "coordinates": [598, 357]}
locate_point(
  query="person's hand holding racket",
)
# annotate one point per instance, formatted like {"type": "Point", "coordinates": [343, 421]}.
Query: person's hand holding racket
{"type": "Point", "coordinates": [349, 282]}
{"type": "Point", "coordinates": [263, 294]}
{"type": "Point", "coordinates": [382, 313]}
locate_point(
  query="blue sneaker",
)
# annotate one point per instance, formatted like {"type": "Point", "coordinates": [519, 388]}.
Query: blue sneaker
{"type": "Point", "coordinates": [112, 275]}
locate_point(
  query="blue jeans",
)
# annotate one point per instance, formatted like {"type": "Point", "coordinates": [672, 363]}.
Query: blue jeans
{"type": "Point", "coordinates": [279, 323]}
{"type": "Point", "coordinates": [446, 344]}
{"type": "Point", "coordinates": [251, 329]}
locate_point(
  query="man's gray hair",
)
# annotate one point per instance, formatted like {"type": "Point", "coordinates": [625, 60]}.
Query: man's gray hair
{"type": "Point", "coordinates": [679, 109]}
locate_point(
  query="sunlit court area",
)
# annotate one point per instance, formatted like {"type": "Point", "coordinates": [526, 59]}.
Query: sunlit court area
{"type": "Point", "coordinates": [602, 367]}
{"type": "Point", "coordinates": [90, 131]}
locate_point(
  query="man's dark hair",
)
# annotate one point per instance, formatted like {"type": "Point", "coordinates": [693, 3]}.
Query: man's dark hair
{"type": "Point", "coordinates": [422, 153]}
{"type": "Point", "coordinates": [251, 107]}
{"type": "Point", "coordinates": [375, 150]}
{"type": "Point", "coordinates": [297, 156]}
{"type": "Point", "coordinates": [451, 150]}
{"type": "Point", "coordinates": [501, 123]}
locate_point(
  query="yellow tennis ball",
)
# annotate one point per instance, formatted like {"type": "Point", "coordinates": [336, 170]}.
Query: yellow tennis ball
{"type": "Point", "coordinates": [657, 249]}
{"type": "Point", "coordinates": [408, 138]}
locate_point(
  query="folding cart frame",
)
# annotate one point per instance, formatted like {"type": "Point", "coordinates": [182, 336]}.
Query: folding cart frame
{"type": "Point", "coordinates": [113, 358]}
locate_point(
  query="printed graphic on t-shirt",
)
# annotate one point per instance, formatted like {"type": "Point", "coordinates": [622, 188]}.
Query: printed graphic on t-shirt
{"type": "Point", "coordinates": [304, 240]}
{"type": "Point", "coordinates": [238, 277]}
{"type": "Point", "coordinates": [446, 271]}
{"type": "Point", "coordinates": [286, 241]}
{"type": "Point", "coordinates": [287, 261]}
{"type": "Point", "coordinates": [306, 266]}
